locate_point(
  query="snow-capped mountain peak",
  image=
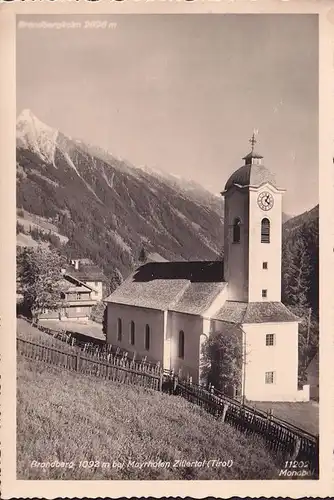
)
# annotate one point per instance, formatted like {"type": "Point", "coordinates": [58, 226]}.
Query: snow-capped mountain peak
{"type": "Point", "coordinates": [35, 135]}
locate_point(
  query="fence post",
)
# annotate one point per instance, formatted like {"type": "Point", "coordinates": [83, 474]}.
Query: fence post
{"type": "Point", "coordinates": [160, 380]}
{"type": "Point", "coordinates": [174, 383]}
{"type": "Point", "coordinates": [296, 449]}
{"type": "Point", "coordinates": [77, 362]}
{"type": "Point", "coordinates": [226, 407]}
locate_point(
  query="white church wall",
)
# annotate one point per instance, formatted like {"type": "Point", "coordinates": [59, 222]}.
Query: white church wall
{"type": "Point", "coordinates": [236, 254]}
{"type": "Point", "coordinates": [192, 326]}
{"type": "Point", "coordinates": [265, 279]}
{"type": "Point", "coordinates": [141, 317]}
{"type": "Point", "coordinates": [281, 359]}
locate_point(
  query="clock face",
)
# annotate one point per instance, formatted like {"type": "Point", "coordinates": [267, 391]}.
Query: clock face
{"type": "Point", "coordinates": [265, 200]}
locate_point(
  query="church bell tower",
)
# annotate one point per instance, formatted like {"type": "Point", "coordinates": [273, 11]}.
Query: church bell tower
{"type": "Point", "coordinates": [253, 232]}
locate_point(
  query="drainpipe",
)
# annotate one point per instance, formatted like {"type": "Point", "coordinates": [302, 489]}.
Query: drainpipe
{"type": "Point", "coordinates": [243, 364]}
{"type": "Point", "coordinates": [165, 342]}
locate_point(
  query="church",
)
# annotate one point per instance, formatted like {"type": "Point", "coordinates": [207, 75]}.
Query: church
{"type": "Point", "coordinates": [166, 310]}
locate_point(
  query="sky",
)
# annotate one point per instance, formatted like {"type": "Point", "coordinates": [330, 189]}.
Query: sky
{"type": "Point", "coordinates": [182, 93]}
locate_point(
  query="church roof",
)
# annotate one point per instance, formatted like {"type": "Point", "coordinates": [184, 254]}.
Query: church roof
{"type": "Point", "coordinates": [197, 297]}
{"type": "Point", "coordinates": [254, 312]}
{"type": "Point", "coordinates": [251, 175]}
{"type": "Point", "coordinates": [188, 287]}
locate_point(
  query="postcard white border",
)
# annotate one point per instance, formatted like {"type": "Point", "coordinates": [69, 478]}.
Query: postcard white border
{"type": "Point", "coordinates": [10, 486]}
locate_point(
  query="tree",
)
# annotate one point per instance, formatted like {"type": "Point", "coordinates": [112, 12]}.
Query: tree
{"type": "Point", "coordinates": [222, 359]}
{"type": "Point", "coordinates": [142, 258]}
{"type": "Point", "coordinates": [97, 312]}
{"type": "Point", "coordinates": [105, 321]}
{"type": "Point", "coordinates": [115, 279]}
{"type": "Point", "coordinates": [296, 271]}
{"type": "Point", "coordinates": [39, 271]}
{"type": "Point", "coordinates": [19, 228]}
{"type": "Point", "coordinates": [308, 339]}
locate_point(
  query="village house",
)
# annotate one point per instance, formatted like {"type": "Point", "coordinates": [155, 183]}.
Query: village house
{"type": "Point", "coordinates": [165, 310]}
{"type": "Point", "coordinates": [82, 287]}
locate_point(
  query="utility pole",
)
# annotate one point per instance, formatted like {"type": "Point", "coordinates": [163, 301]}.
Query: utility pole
{"type": "Point", "coordinates": [243, 363]}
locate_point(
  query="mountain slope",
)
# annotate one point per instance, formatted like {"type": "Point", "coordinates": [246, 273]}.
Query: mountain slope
{"type": "Point", "coordinates": [294, 223]}
{"type": "Point", "coordinates": [108, 208]}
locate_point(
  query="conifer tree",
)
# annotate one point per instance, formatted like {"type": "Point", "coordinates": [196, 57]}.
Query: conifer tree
{"type": "Point", "coordinates": [142, 256]}
{"type": "Point", "coordinates": [115, 279]}
{"type": "Point", "coordinates": [296, 272]}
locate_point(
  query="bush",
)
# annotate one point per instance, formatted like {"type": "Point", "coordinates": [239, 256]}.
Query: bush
{"type": "Point", "coordinates": [98, 312]}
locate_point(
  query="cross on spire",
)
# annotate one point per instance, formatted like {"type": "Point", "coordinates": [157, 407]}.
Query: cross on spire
{"type": "Point", "coordinates": [253, 141]}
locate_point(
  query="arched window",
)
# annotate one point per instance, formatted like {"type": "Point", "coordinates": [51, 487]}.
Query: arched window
{"type": "Point", "coordinates": [119, 329]}
{"type": "Point", "coordinates": [265, 230]}
{"type": "Point", "coordinates": [236, 230]}
{"type": "Point", "coordinates": [147, 337]}
{"type": "Point", "coordinates": [132, 333]}
{"type": "Point", "coordinates": [181, 344]}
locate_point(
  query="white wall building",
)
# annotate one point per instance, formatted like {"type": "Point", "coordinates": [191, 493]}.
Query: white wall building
{"type": "Point", "coordinates": [165, 310]}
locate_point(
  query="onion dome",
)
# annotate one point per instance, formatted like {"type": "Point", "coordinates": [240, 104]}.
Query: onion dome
{"type": "Point", "coordinates": [252, 173]}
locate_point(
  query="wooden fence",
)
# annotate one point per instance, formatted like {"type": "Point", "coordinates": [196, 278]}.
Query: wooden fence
{"type": "Point", "coordinates": [283, 438]}
{"type": "Point", "coordinates": [96, 347]}
{"type": "Point", "coordinates": [114, 368]}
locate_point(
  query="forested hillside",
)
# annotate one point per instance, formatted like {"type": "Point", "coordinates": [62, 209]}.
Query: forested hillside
{"type": "Point", "coordinates": [108, 209]}
{"type": "Point", "coordinates": [300, 260]}
{"type": "Point", "coordinates": [300, 280]}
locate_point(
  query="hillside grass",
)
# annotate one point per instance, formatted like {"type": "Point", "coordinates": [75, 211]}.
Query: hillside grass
{"type": "Point", "coordinates": [25, 331]}
{"type": "Point", "coordinates": [68, 417]}
{"type": "Point", "coordinates": [301, 414]}
{"type": "Point", "coordinates": [89, 328]}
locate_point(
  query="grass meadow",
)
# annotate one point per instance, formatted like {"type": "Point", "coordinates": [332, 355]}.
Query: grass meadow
{"type": "Point", "coordinates": [67, 417]}
{"type": "Point", "coordinates": [303, 415]}
{"type": "Point", "coordinates": [26, 331]}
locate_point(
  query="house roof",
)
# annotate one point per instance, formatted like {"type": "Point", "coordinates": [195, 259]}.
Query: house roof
{"type": "Point", "coordinates": [188, 287]}
{"type": "Point", "coordinates": [254, 312]}
{"type": "Point", "coordinates": [86, 272]}
{"type": "Point", "coordinates": [73, 283]}
{"type": "Point", "coordinates": [227, 329]}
